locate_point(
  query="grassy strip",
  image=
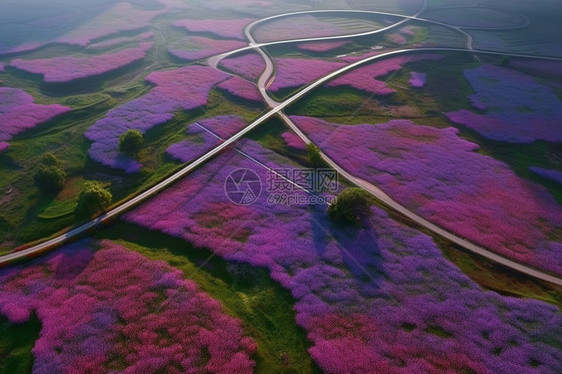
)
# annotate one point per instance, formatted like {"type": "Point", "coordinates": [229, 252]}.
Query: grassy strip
{"type": "Point", "coordinates": [16, 343]}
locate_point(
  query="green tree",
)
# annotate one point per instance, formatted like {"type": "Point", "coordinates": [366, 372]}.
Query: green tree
{"type": "Point", "coordinates": [314, 155]}
{"type": "Point", "coordinates": [93, 198]}
{"type": "Point", "coordinates": [49, 159]}
{"type": "Point", "coordinates": [351, 206]}
{"type": "Point", "coordinates": [50, 178]}
{"type": "Point", "coordinates": [130, 141]}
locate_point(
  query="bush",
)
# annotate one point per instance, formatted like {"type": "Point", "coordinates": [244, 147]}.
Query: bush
{"type": "Point", "coordinates": [50, 159]}
{"type": "Point", "coordinates": [130, 141]}
{"type": "Point", "coordinates": [314, 155]}
{"type": "Point", "coordinates": [93, 198]}
{"type": "Point", "coordinates": [351, 206]}
{"type": "Point", "coordinates": [50, 178]}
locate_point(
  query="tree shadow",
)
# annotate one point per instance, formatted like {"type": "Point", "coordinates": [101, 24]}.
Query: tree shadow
{"type": "Point", "coordinates": [358, 245]}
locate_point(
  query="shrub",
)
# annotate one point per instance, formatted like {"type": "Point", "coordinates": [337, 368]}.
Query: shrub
{"type": "Point", "coordinates": [130, 141]}
{"type": "Point", "coordinates": [49, 159]}
{"type": "Point", "coordinates": [314, 155]}
{"type": "Point", "coordinates": [50, 178]}
{"type": "Point", "coordinates": [351, 206]}
{"type": "Point", "coordinates": [93, 198]}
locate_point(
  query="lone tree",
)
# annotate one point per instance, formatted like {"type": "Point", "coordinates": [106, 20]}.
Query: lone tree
{"type": "Point", "coordinates": [130, 141]}
{"type": "Point", "coordinates": [351, 206]}
{"type": "Point", "coordinates": [93, 198]}
{"type": "Point", "coordinates": [50, 177]}
{"type": "Point", "coordinates": [314, 155]}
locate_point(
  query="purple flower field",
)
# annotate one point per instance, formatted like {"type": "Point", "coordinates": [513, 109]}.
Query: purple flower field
{"type": "Point", "coordinates": [441, 177]}
{"type": "Point", "coordinates": [249, 65]}
{"type": "Point", "coordinates": [415, 312]}
{"type": "Point", "coordinates": [18, 113]}
{"type": "Point", "coordinates": [293, 140]}
{"type": "Point", "coordinates": [202, 141]}
{"type": "Point", "coordinates": [242, 88]}
{"type": "Point", "coordinates": [417, 80]}
{"type": "Point", "coordinates": [65, 69]}
{"type": "Point", "coordinates": [295, 72]}
{"type": "Point", "coordinates": [358, 78]}
{"type": "Point", "coordinates": [185, 88]}
{"type": "Point", "coordinates": [519, 109]}
{"type": "Point", "coordinates": [119, 18]}
{"type": "Point", "coordinates": [301, 26]}
{"type": "Point", "coordinates": [227, 28]}
{"type": "Point", "coordinates": [554, 175]}
{"type": "Point", "coordinates": [193, 48]}
{"type": "Point", "coordinates": [87, 300]}
{"type": "Point", "coordinates": [322, 46]}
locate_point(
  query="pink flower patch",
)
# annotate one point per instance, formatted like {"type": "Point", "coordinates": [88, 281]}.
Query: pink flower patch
{"type": "Point", "coordinates": [185, 88]}
{"type": "Point", "coordinates": [520, 110]}
{"type": "Point", "coordinates": [248, 65]}
{"type": "Point", "coordinates": [295, 72]}
{"type": "Point", "coordinates": [241, 88]}
{"type": "Point", "coordinates": [293, 140]}
{"type": "Point", "coordinates": [89, 301]}
{"type": "Point", "coordinates": [18, 113]}
{"type": "Point", "coordinates": [66, 69]}
{"type": "Point", "coordinates": [417, 80]}
{"type": "Point", "coordinates": [419, 167]}
{"type": "Point", "coordinates": [363, 78]}
{"type": "Point", "coordinates": [322, 46]}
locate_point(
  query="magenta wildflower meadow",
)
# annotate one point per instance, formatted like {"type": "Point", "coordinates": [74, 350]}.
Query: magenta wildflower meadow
{"type": "Point", "coordinates": [18, 113]}
{"type": "Point", "coordinates": [296, 72]}
{"type": "Point", "coordinates": [363, 78]}
{"type": "Point", "coordinates": [322, 46]}
{"type": "Point", "coordinates": [248, 65]}
{"type": "Point", "coordinates": [437, 174]}
{"type": "Point", "coordinates": [121, 17]}
{"type": "Point", "coordinates": [517, 108]}
{"type": "Point", "coordinates": [293, 140]}
{"type": "Point", "coordinates": [241, 88]}
{"type": "Point", "coordinates": [88, 300]}
{"type": "Point", "coordinates": [377, 299]}
{"type": "Point", "coordinates": [417, 80]}
{"type": "Point", "coordinates": [185, 88]}
{"type": "Point", "coordinates": [65, 69]}
{"type": "Point", "coordinates": [201, 139]}
{"type": "Point", "coordinates": [554, 175]}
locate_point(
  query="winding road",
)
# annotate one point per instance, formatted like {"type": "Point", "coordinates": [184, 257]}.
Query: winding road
{"type": "Point", "coordinates": [276, 108]}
